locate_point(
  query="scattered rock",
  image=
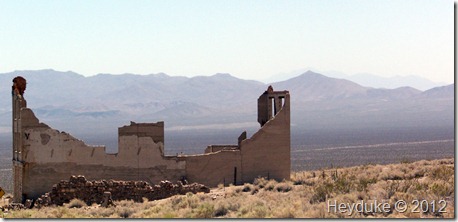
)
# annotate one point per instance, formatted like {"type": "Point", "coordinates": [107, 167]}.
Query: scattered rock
{"type": "Point", "coordinates": [12, 206]}
{"type": "Point", "coordinates": [28, 203]}
{"type": "Point", "coordinates": [107, 200]}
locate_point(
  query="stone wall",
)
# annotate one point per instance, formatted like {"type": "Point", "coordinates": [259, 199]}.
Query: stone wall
{"type": "Point", "coordinates": [39, 178]}
{"type": "Point", "coordinates": [77, 187]}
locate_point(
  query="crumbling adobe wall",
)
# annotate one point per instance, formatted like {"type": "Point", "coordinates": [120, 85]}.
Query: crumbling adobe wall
{"type": "Point", "coordinates": [214, 168]}
{"type": "Point", "coordinates": [43, 156]}
{"type": "Point", "coordinates": [51, 156]}
{"type": "Point", "coordinates": [267, 152]}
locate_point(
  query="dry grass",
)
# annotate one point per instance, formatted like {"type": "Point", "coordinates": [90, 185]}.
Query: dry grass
{"type": "Point", "coordinates": [306, 195]}
{"type": "Point", "coordinates": [76, 203]}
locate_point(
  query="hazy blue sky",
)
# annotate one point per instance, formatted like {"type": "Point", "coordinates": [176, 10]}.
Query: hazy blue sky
{"type": "Point", "coordinates": [248, 39]}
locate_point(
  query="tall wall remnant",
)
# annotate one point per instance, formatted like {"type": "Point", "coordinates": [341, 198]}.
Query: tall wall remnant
{"type": "Point", "coordinates": [43, 156]}
{"type": "Point", "coordinates": [19, 85]}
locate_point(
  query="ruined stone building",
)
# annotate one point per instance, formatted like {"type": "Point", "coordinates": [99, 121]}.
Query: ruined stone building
{"type": "Point", "coordinates": [43, 156]}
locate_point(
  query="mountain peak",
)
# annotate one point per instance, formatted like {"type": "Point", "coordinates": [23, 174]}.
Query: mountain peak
{"type": "Point", "coordinates": [224, 75]}
{"type": "Point", "coordinates": [310, 75]}
{"type": "Point", "coordinates": [310, 72]}
{"type": "Point", "coordinates": [161, 75]}
{"type": "Point", "coordinates": [447, 91]}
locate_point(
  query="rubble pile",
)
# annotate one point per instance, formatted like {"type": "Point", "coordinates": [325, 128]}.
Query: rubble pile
{"type": "Point", "coordinates": [12, 206]}
{"type": "Point", "coordinates": [93, 191]}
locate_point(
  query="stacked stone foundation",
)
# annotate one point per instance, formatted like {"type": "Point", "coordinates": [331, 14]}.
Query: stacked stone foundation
{"type": "Point", "coordinates": [93, 191]}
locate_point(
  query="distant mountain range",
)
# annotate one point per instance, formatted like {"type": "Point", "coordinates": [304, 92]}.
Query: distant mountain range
{"type": "Point", "coordinates": [90, 105]}
{"type": "Point", "coordinates": [366, 79]}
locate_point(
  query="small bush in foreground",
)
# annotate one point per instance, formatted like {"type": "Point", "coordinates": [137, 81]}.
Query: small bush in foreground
{"type": "Point", "coordinates": [283, 187]}
{"type": "Point", "coordinates": [76, 203]}
{"type": "Point", "coordinates": [124, 212]}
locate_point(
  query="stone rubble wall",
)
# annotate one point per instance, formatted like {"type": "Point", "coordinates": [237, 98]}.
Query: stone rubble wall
{"type": "Point", "coordinates": [12, 206]}
{"type": "Point", "coordinates": [93, 191]}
